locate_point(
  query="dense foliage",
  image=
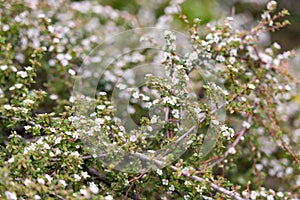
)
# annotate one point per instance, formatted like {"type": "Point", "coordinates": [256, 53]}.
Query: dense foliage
{"type": "Point", "coordinates": [51, 150]}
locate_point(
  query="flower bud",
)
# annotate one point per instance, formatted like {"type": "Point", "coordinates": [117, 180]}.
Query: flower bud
{"type": "Point", "coordinates": [272, 5]}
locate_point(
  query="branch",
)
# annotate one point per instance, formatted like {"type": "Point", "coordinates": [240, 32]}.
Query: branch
{"type": "Point", "coordinates": [99, 175]}
{"type": "Point", "coordinates": [228, 193]}
{"type": "Point", "coordinates": [59, 159]}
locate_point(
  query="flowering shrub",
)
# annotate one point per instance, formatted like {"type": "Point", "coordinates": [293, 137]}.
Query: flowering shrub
{"type": "Point", "coordinates": [51, 150]}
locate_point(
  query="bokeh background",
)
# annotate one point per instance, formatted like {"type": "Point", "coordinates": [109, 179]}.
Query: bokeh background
{"type": "Point", "coordinates": [247, 12]}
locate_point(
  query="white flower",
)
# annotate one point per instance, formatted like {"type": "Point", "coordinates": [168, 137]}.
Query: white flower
{"type": "Point", "coordinates": [37, 197]}
{"type": "Point", "coordinates": [271, 5]}
{"type": "Point", "coordinates": [101, 107]}
{"type": "Point", "coordinates": [280, 194]}
{"type": "Point", "coordinates": [57, 151]}
{"type": "Point", "coordinates": [24, 110]}
{"type": "Point", "coordinates": [49, 178]}
{"type": "Point", "coordinates": [175, 113]}
{"type": "Point", "coordinates": [233, 52]}
{"type": "Point", "coordinates": [55, 40]}
{"type": "Point", "coordinates": [52, 129]}
{"type": "Point", "coordinates": [99, 121]}
{"type": "Point", "coordinates": [27, 182]}
{"type": "Point", "coordinates": [187, 183]}
{"type": "Point", "coordinates": [133, 138]}
{"type": "Point", "coordinates": [41, 181]}
{"type": "Point", "coordinates": [75, 135]}
{"type": "Point", "coordinates": [154, 119]}
{"type": "Point", "coordinates": [159, 172]}
{"type": "Point", "coordinates": [194, 56]}
{"type": "Point", "coordinates": [276, 62]}
{"type": "Point", "coordinates": [288, 88]}
{"type": "Point", "coordinates": [109, 197]}
{"type": "Point", "coordinates": [40, 140]}
{"type": "Point", "coordinates": [85, 174]}
{"type": "Point", "coordinates": [276, 45]}
{"type": "Point", "coordinates": [23, 74]}
{"type": "Point", "coordinates": [172, 188]}
{"type": "Point", "coordinates": [136, 95]}
{"type": "Point", "coordinates": [167, 33]}
{"type": "Point", "coordinates": [220, 58]}
{"type": "Point", "coordinates": [246, 125]}
{"type": "Point", "coordinates": [165, 182]}
{"type": "Point", "coordinates": [10, 195]}
{"type": "Point", "coordinates": [46, 146]}
{"type": "Point", "coordinates": [14, 68]}
{"type": "Point", "coordinates": [225, 92]}
{"type": "Point", "coordinates": [145, 98]}
{"type": "Point", "coordinates": [28, 68]}
{"type": "Point", "coordinates": [72, 72]}
{"type": "Point", "coordinates": [75, 154]}
{"type": "Point", "coordinates": [232, 60]}
{"type": "Point", "coordinates": [169, 100]}
{"type": "Point", "coordinates": [156, 101]}
{"type": "Point", "coordinates": [244, 193]}
{"type": "Point", "coordinates": [64, 62]}
{"type": "Point", "coordinates": [253, 195]}
{"type": "Point", "coordinates": [126, 182]}
{"type": "Point", "coordinates": [53, 97]}
{"type": "Point", "coordinates": [51, 29]}
{"type": "Point", "coordinates": [107, 118]}
{"type": "Point", "coordinates": [63, 183]}
{"type": "Point", "coordinates": [270, 197]}
{"type": "Point", "coordinates": [224, 128]}
{"type": "Point", "coordinates": [289, 170]}
{"type": "Point", "coordinates": [77, 177]}
{"type": "Point", "coordinates": [7, 107]}
{"type": "Point", "coordinates": [42, 15]}
{"type": "Point", "coordinates": [58, 140]}
{"type": "Point", "coordinates": [186, 197]}
{"type": "Point", "coordinates": [5, 27]}
{"type": "Point", "coordinates": [68, 56]}
{"type": "Point", "coordinates": [231, 150]}
{"type": "Point", "coordinates": [93, 188]}
{"type": "Point", "coordinates": [251, 86]}
{"type": "Point", "coordinates": [3, 67]}
{"type": "Point", "coordinates": [11, 160]}
{"type": "Point", "coordinates": [85, 193]}
{"type": "Point", "coordinates": [215, 122]}
{"type": "Point", "coordinates": [28, 102]}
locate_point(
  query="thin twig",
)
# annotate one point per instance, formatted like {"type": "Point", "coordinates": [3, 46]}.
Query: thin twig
{"type": "Point", "coordinates": [18, 119]}
{"type": "Point", "coordinates": [99, 175]}
{"type": "Point", "coordinates": [228, 193]}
